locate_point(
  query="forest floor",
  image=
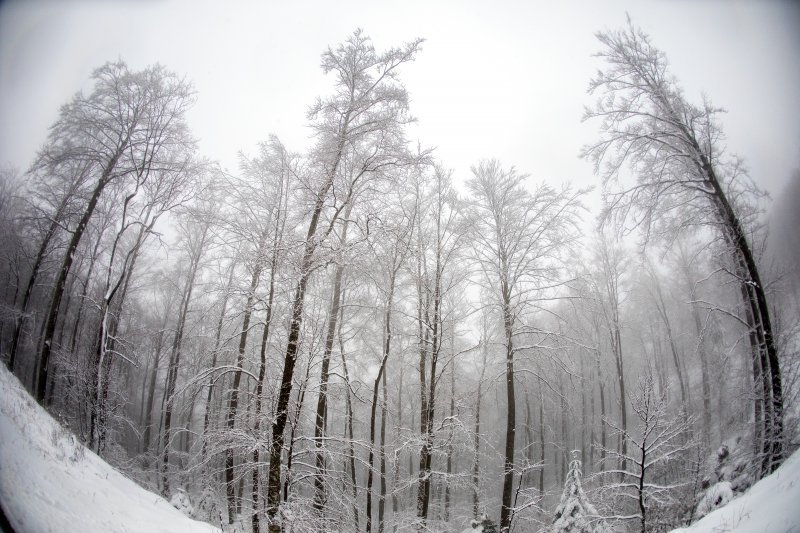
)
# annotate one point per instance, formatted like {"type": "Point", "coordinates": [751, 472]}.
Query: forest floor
{"type": "Point", "coordinates": [49, 482]}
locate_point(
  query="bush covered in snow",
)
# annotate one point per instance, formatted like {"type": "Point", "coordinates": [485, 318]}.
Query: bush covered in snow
{"type": "Point", "coordinates": [180, 501]}
{"type": "Point", "coordinates": [483, 525]}
{"type": "Point", "coordinates": [728, 477]}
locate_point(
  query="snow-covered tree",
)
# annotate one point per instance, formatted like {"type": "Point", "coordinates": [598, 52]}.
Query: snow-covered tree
{"type": "Point", "coordinates": [520, 239]}
{"type": "Point", "coordinates": [684, 180]}
{"type": "Point", "coordinates": [575, 514]}
{"type": "Point", "coordinates": [660, 439]}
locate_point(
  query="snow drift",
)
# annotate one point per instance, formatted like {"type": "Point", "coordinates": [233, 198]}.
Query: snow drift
{"type": "Point", "coordinates": [771, 505]}
{"type": "Point", "coordinates": [50, 483]}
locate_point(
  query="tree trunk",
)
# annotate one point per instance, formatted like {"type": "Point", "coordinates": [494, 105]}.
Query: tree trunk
{"type": "Point", "coordinates": [449, 470]}
{"type": "Point", "coordinates": [541, 437]}
{"type": "Point", "coordinates": [382, 497]}
{"type": "Point", "coordinates": [616, 344]}
{"type": "Point", "coordinates": [321, 418]}
{"type": "Point", "coordinates": [506, 511]}
{"type": "Point", "coordinates": [476, 460]}
{"type": "Point", "coordinates": [662, 311]}
{"type": "Point", "coordinates": [110, 322]}
{"type": "Point", "coordinates": [424, 495]}
{"type": "Point", "coordinates": [233, 401]}
{"type": "Point", "coordinates": [175, 358]}
{"type": "Point", "coordinates": [565, 453]}
{"type": "Point", "coordinates": [151, 389]}
{"type": "Point", "coordinates": [704, 371]}
{"type": "Point", "coordinates": [40, 382]}
{"type": "Point", "coordinates": [757, 300]}
{"type": "Point", "coordinates": [423, 338]}
{"type": "Point", "coordinates": [387, 344]}
{"type": "Point", "coordinates": [301, 394]}
{"type": "Point", "coordinates": [584, 419]}
{"type": "Point", "coordinates": [284, 394]}
{"type": "Point", "coordinates": [260, 387]}
{"type": "Point", "coordinates": [214, 355]}
{"type": "Point", "coordinates": [396, 463]}
{"type": "Point", "coordinates": [640, 488]}
{"type": "Point", "coordinates": [351, 456]}
{"type": "Point", "coordinates": [601, 387]}
{"type": "Point", "coordinates": [528, 440]}
{"type": "Point", "coordinates": [37, 265]}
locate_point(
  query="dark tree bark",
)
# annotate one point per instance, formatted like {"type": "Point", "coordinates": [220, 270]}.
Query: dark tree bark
{"type": "Point", "coordinates": [233, 400]}
{"type": "Point", "coordinates": [675, 149]}
{"type": "Point", "coordinates": [282, 407]}
{"type": "Point", "coordinates": [476, 444]}
{"type": "Point", "coordinates": [506, 510]}
{"type": "Point", "coordinates": [40, 381]}
{"type": "Point", "coordinates": [426, 453]}
{"type": "Point", "coordinates": [382, 448]}
{"type": "Point", "coordinates": [449, 466]}
{"type": "Point", "coordinates": [321, 418]}
{"type": "Point", "coordinates": [368, 110]}
{"type": "Point", "coordinates": [351, 456]}
{"type": "Point", "coordinates": [151, 388]}
{"type": "Point", "coordinates": [387, 344]}
{"type": "Point", "coordinates": [298, 408]}
{"type": "Point", "coordinates": [37, 265]}
{"type": "Point", "coordinates": [255, 523]}
{"type": "Point", "coordinates": [541, 437]}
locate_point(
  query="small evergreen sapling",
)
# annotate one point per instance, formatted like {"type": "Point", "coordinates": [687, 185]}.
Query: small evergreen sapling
{"type": "Point", "coordinates": [575, 514]}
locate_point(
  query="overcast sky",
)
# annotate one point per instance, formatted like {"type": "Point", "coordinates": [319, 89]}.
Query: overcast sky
{"type": "Point", "coordinates": [500, 79]}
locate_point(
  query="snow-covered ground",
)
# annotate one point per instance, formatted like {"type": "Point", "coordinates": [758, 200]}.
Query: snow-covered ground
{"type": "Point", "coordinates": [770, 506]}
{"type": "Point", "coordinates": [51, 483]}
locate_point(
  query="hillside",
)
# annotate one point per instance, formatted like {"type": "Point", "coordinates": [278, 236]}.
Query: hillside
{"type": "Point", "coordinates": [51, 483]}
{"type": "Point", "coordinates": [770, 506]}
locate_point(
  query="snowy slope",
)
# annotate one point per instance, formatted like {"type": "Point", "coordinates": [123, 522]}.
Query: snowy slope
{"type": "Point", "coordinates": [770, 506]}
{"type": "Point", "coordinates": [51, 483]}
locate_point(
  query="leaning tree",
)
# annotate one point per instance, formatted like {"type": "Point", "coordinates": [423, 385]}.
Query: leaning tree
{"type": "Point", "coordinates": [129, 125]}
{"type": "Point", "coordinates": [683, 179]}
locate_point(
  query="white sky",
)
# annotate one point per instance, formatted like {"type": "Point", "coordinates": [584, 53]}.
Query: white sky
{"type": "Point", "coordinates": [506, 80]}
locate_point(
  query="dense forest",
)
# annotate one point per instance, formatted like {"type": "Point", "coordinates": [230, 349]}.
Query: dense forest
{"type": "Point", "coordinates": [354, 339]}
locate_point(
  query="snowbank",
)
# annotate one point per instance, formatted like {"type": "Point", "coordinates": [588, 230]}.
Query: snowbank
{"type": "Point", "coordinates": [50, 483]}
{"type": "Point", "coordinates": [771, 505]}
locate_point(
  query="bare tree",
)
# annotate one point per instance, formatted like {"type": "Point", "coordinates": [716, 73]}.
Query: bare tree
{"type": "Point", "coordinates": [154, 193]}
{"type": "Point", "coordinates": [55, 189]}
{"type": "Point", "coordinates": [659, 440]}
{"type": "Point", "coordinates": [131, 121]}
{"type": "Point", "coordinates": [321, 418]}
{"type": "Point", "coordinates": [609, 294]}
{"type": "Point", "coordinates": [195, 233]}
{"type": "Point", "coordinates": [273, 168]}
{"type": "Point", "coordinates": [389, 248]}
{"type": "Point", "coordinates": [362, 123]}
{"type": "Point", "coordinates": [441, 234]}
{"type": "Point", "coordinates": [519, 236]}
{"type": "Point", "coordinates": [683, 180]}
